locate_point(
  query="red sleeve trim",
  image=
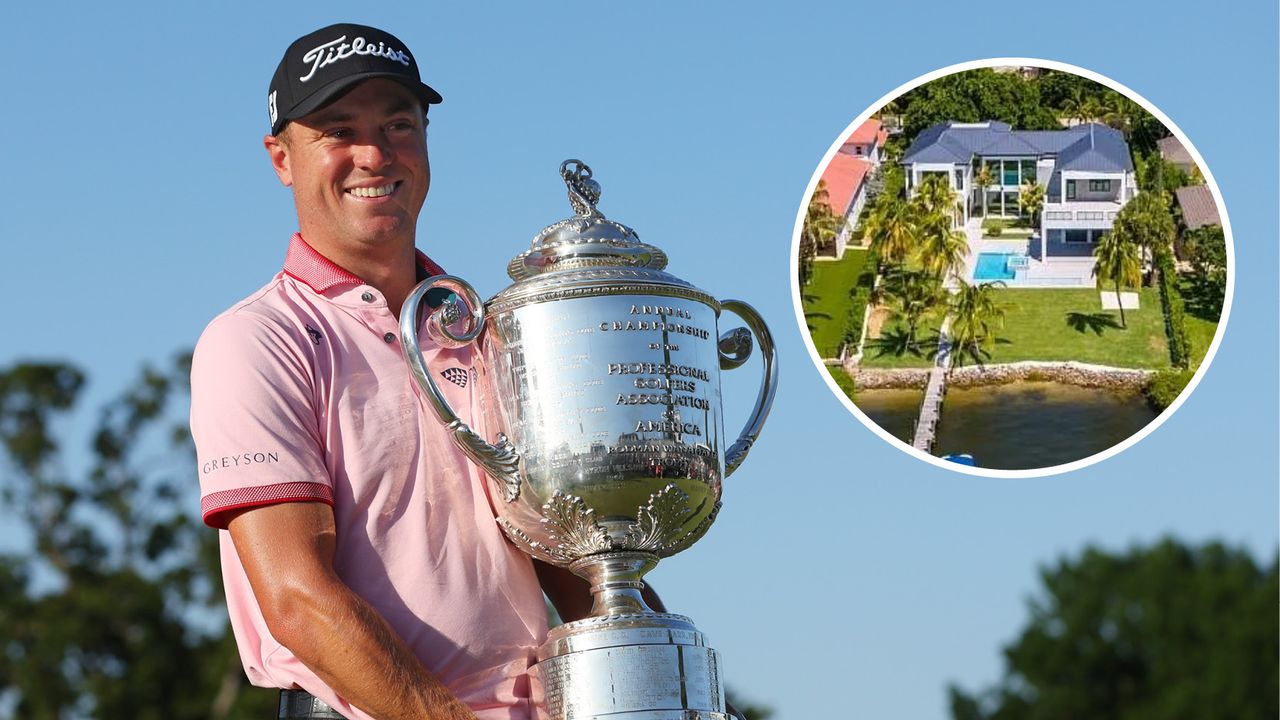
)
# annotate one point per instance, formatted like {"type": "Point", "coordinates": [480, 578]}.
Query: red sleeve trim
{"type": "Point", "coordinates": [214, 507]}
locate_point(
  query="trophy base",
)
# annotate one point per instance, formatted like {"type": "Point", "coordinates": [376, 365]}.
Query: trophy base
{"type": "Point", "coordinates": [644, 666]}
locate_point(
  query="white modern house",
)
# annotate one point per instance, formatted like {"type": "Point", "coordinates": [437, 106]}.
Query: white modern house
{"type": "Point", "coordinates": [1087, 172]}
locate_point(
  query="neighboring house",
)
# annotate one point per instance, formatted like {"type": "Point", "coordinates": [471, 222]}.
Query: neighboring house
{"type": "Point", "coordinates": [1173, 152]}
{"type": "Point", "coordinates": [1086, 170]}
{"type": "Point", "coordinates": [1198, 206]}
{"type": "Point", "coordinates": [847, 174]}
{"type": "Point", "coordinates": [867, 141]}
{"type": "Point", "coordinates": [846, 179]}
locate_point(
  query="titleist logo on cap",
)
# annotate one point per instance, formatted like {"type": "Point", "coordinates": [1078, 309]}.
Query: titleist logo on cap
{"type": "Point", "coordinates": [335, 50]}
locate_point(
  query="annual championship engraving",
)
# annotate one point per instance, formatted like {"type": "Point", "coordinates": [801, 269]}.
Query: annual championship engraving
{"type": "Point", "coordinates": [601, 432]}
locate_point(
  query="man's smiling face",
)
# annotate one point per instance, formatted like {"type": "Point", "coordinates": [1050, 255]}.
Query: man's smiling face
{"type": "Point", "coordinates": [358, 167]}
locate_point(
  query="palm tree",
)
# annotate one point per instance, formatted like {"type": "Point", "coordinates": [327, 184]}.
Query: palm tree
{"type": "Point", "coordinates": [892, 230]}
{"type": "Point", "coordinates": [983, 179]}
{"type": "Point", "coordinates": [911, 294]}
{"type": "Point", "coordinates": [975, 316]}
{"type": "Point", "coordinates": [1146, 222]}
{"type": "Point", "coordinates": [1117, 262]}
{"type": "Point", "coordinates": [936, 196]}
{"type": "Point", "coordinates": [943, 249]}
{"type": "Point", "coordinates": [821, 226]}
{"type": "Point", "coordinates": [1031, 200]}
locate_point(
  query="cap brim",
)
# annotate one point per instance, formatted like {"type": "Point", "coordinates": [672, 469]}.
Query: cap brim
{"type": "Point", "coordinates": [334, 90]}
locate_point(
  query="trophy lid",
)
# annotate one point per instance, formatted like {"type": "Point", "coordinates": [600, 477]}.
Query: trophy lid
{"type": "Point", "coordinates": [588, 239]}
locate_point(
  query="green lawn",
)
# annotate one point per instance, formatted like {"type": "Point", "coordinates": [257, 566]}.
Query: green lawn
{"type": "Point", "coordinates": [827, 298]}
{"type": "Point", "coordinates": [891, 349]}
{"type": "Point", "coordinates": [1045, 324]}
{"type": "Point", "coordinates": [1049, 325]}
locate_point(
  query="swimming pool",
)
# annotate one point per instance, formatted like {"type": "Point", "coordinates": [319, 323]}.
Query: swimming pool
{"type": "Point", "coordinates": [993, 266]}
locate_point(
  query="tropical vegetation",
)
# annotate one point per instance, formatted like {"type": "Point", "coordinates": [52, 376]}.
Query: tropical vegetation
{"type": "Point", "coordinates": [1169, 630]}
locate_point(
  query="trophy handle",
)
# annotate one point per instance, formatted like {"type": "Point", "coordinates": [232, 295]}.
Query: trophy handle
{"type": "Point", "coordinates": [500, 459]}
{"type": "Point", "coordinates": [734, 348]}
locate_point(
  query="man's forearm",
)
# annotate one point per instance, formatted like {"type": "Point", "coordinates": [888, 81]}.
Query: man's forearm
{"type": "Point", "coordinates": [287, 553]}
{"type": "Point", "coordinates": [344, 641]}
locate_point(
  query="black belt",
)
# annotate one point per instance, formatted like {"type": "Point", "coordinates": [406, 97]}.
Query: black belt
{"type": "Point", "coordinates": [302, 705]}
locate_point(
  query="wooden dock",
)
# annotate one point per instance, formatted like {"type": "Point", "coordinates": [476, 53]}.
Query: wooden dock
{"type": "Point", "coordinates": [931, 405]}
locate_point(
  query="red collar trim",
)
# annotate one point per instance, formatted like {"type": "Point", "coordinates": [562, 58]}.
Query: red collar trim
{"type": "Point", "coordinates": [303, 263]}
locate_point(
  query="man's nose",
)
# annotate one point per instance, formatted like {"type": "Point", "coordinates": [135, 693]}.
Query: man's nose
{"type": "Point", "coordinates": [374, 154]}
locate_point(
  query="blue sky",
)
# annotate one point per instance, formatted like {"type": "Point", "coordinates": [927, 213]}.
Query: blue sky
{"type": "Point", "coordinates": [843, 578]}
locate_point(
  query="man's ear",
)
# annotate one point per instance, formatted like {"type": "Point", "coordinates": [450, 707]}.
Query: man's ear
{"type": "Point", "coordinates": [279, 154]}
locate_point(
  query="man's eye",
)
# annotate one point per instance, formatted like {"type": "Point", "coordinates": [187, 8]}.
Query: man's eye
{"type": "Point", "coordinates": [339, 133]}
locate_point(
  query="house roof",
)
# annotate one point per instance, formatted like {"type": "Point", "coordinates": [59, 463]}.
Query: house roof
{"type": "Point", "coordinates": [1099, 149]}
{"type": "Point", "coordinates": [1173, 151]}
{"type": "Point", "coordinates": [843, 176]}
{"type": "Point", "coordinates": [1198, 206]}
{"type": "Point", "coordinates": [865, 133]}
{"type": "Point", "coordinates": [1088, 146]}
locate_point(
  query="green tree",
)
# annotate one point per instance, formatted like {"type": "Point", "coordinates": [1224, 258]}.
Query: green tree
{"type": "Point", "coordinates": [976, 314]}
{"type": "Point", "coordinates": [911, 295]}
{"type": "Point", "coordinates": [1117, 264]}
{"type": "Point", "coordinates": [891, 230]}
{"type": "Point", "coordinates": [943, 249]}
{"type": "Point", "coordinates": [935, 196]}
{"type": "Point", "coordinates": [1146, 222]}
{"type": "Point", "coordinates": [1162, 632]}
{"type": "Point", "coordinates": [820, 228]}
{"type": "Point", "coordinates": [120, 624]}
{"type": "Point", "coordinates": [1206, 249]}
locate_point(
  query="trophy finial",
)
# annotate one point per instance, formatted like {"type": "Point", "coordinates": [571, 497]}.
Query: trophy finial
{"type": "Point", "coordinates": [584, 192]}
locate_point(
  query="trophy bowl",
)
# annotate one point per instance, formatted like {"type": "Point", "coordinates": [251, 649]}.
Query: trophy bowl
{"type": "Point", "coordinates": [599, 381]}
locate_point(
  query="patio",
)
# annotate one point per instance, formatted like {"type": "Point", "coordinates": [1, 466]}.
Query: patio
{"type": "Point", "coordinates": [1069, 265]}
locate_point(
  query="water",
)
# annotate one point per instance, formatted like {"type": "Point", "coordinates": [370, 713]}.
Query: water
{"type": "Point", "coordinates": [993, 266]}
{"type": "Point", "coordinates": [1020, 425]}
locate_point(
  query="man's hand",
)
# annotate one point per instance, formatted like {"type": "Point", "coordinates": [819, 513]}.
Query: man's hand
{"type": "Point", "coordinates": [287, 553]}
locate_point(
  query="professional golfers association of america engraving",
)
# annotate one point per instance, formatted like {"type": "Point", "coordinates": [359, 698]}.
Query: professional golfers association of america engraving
{"type": "Point", "coordinates": [599, 384]}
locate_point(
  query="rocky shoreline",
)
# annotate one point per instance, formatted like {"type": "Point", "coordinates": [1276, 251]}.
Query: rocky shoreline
{"type": "Point", "coordinates": [1069, 372]}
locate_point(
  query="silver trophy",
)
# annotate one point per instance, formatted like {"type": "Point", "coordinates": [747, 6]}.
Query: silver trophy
{"type": "Point", "coordinates": [599, 381]}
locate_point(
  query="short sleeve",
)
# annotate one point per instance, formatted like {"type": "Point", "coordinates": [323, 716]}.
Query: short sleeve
{"type": "Point", "coordinates": [254, 419]}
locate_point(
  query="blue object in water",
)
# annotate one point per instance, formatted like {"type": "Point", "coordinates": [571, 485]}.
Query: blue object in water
{"type": "Point", "coordinates": [961, 459]}
{"type": "Point", "coordinates": [993, 266]}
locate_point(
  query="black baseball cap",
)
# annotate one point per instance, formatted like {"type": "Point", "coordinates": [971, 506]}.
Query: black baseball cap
{"type": "Point", "coordinates": [319, 67]}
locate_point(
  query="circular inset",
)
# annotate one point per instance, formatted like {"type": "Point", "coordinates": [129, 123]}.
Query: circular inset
{"type": "Point", "coordinates": [1012, 267]}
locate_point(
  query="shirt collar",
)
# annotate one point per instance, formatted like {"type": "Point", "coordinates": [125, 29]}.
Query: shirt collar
{"type": "Point", "coordinates": [302, 262]}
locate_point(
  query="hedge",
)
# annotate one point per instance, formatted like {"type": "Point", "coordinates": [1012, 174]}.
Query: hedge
{"type": "Point", "coordinates": [1175, 324]}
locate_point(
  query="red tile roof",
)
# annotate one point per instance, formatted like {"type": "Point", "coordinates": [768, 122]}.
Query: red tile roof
{"type": "Point", "coordinates": [865, 134]}
{"type": "Point", "coordinates": [844, 176]}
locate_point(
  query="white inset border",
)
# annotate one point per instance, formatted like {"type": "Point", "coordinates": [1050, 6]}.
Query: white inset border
{"type": "Point", "coordinates": [1016, 62]}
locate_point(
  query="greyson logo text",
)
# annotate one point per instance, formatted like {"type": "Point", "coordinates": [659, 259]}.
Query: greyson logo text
{"type": "Point", "coordinates": [335, 50]}
{"type": "Point", "coordinates": [241, 460]}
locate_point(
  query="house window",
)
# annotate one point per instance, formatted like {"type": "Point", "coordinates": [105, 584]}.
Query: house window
{"type": "Point", "coordinates": [1071, 189]}
{"type": "Point", "coordinates": [1028, 171]}
{"type": "Point", "coordinates": [1099, 186]}
{"type": "Point", "coordinates": [857, 149]}
{"type": "Point", "coordinates": [1011, 203]}
{"type": "Point", "coordinates": [959, 178]}
{"type": "Point", "coordinates": [1011, 172]}
{"type": "Point", "coordinates": [993, 167]}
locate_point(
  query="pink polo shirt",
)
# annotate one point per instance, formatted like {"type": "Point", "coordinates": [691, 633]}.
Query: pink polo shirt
{"type": "Point", "coordinates": [300, 394]}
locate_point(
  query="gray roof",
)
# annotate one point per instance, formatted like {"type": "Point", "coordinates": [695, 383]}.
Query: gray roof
{"type": "Point", "coordinates": [1198, 207]}
{"type": "Point", "coordinates": [1087, 147]}
{"type": "Point", "coordinates": [1100, 149]}
{"type": "Point", "coordinates": [1173, 151]}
